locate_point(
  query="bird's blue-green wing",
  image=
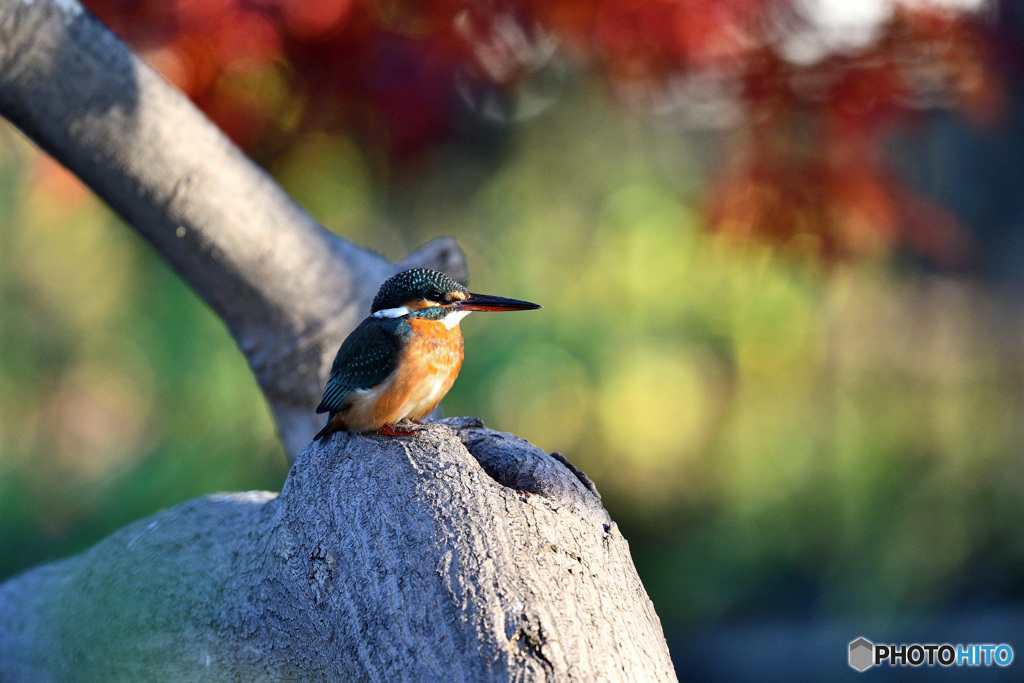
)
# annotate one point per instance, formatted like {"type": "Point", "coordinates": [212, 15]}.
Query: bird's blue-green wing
{"type": "Point", "coordinates": [365, 359]}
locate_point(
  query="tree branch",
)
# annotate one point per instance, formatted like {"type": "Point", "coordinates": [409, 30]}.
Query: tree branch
{"type": "Point", "coordinates": [288, 290]}
{"type": "Point", "coordinates": [383, 559]}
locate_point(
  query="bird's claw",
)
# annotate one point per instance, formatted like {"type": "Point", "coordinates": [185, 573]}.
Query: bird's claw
{"type": "Point", "coordinates": [389, 430]}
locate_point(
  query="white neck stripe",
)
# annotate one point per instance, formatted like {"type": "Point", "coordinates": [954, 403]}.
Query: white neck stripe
{"type": "Point", "coordinates": [391, 312]}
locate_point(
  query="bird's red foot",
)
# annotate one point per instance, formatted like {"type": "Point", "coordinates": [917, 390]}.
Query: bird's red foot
{"type": "Point", "coordinates": [388, 430]}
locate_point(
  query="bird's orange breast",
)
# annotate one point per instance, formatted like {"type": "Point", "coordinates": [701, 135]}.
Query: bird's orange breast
{"type": "Point", "coordinates": [427, 368]}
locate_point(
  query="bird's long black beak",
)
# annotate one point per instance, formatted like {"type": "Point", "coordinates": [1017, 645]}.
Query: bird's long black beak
{"type": "Point", "coordinates": [485, 302]}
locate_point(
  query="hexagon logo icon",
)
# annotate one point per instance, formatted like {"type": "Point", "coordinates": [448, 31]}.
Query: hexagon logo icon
{"type": "Point", "coordinates": [862, 654]}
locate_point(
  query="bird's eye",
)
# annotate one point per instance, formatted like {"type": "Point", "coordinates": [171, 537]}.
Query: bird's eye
{"type": "Point", "coordinates": [439, 296]}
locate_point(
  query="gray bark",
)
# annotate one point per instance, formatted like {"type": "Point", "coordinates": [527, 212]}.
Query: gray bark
{"type": "Point", "coordinates": [456, 554]}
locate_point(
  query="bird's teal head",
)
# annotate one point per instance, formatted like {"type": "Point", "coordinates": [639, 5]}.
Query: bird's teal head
{"type": "Point", "coordinates": [414, 288]}
{"type": "Point", "coordinates": [425, 293]}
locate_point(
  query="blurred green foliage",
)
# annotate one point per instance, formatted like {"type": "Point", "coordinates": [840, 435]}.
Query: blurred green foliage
{"type": "Point", "coordinates": [774, 436]}
{"type": "Point", "coordinates": [120, 393]}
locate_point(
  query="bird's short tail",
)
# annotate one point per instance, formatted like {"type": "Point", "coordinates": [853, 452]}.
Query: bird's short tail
{"type": "Point", "coordinates": [325, 430]}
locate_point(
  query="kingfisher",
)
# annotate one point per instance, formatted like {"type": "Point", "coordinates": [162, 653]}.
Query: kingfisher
{"type": "Point", "coordinates": [400, 361]}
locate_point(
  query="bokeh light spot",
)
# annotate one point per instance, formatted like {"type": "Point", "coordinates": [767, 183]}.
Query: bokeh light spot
{"type": "Point", "coordinates": [653, 405]}
{"type": "Point", "coordinates": [543, 394]}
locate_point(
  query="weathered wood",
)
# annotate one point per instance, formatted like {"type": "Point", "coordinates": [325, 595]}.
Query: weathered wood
{"type": "Point", "coordinates": [458, 554]}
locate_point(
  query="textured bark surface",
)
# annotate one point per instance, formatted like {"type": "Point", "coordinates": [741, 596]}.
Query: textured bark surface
{"type": "Point", "coordinates": [288, 290]}
{"type": "Point", "coordinates": [456, 554]}
{"type": "Point", "coordinates": [444, 556]}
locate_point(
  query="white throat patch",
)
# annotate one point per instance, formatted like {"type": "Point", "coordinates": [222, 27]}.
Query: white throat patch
{"type": "Point", "coordinates": [453, 318]}
{"type": "Point", "coordinates": [392, 312]}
